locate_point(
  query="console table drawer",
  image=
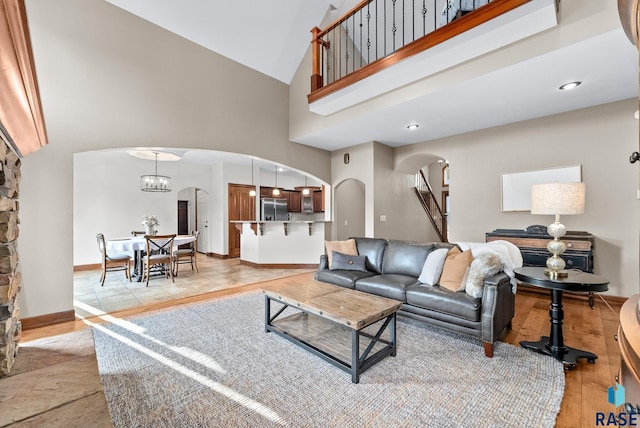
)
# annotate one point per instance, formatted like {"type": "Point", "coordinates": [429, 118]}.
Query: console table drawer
{"type": "Point", "coordinates": [584, 262]}
{"type": "Point", "coordinates": [533, 241]}
{"type": "Point", "coordinates": [542, 243]}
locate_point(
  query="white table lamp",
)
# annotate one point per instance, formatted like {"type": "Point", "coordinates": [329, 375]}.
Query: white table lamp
{"type": "Point", "coordinates": [557, 199]}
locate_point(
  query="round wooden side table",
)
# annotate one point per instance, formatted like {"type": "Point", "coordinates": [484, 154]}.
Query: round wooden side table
{"type": "Point", "coordinates": [576, 281]}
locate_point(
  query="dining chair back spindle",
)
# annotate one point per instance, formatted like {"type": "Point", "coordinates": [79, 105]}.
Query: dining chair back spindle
{"type": "Point", "coordinates": [186, 255]}
{"type": "Point", "coordinates": [112, 262]}
{"type": "Point", "coordinates": [158, 253]}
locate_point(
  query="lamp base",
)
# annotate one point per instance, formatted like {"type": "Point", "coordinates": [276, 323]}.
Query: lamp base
{"type": "Point", "coordinates": [556, 273]}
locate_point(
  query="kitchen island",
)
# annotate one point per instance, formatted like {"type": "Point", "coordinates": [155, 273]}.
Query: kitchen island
{"type": "Point", "coordinates": [281, 244]}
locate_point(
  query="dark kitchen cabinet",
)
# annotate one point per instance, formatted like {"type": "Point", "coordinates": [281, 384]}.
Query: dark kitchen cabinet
{"type": "Point", "coordinates": [294, 201]}
{"type": "Point", "coordinates": [318, 200]}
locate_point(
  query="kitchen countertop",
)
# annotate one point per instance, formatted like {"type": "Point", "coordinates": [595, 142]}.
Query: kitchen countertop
{"type": "Point", "coordinates": [279, 221]}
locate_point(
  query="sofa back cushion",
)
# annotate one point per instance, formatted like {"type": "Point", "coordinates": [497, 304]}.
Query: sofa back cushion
{"type": "Point", "coordinates": [373, 249]}
{"type": "Point", "coordinates": [405, 258]}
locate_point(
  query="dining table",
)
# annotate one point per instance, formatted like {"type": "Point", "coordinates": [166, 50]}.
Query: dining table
{"type": "Point", "coordinates": [136, 245]}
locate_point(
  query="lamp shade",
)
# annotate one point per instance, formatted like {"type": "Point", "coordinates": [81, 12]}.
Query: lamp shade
{"type": "Point", "coordinates": [557, 198]}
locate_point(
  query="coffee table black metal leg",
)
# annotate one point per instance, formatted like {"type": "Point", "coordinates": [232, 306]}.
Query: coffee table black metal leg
{"type": "Point", "coordinates": [392, 334]}
{"type": "Point", "coordinates": [267, 313]}
{"type": "Point", "coordinates": [355, 356]}
{"type": "Point", "coordinates": [553, 344]}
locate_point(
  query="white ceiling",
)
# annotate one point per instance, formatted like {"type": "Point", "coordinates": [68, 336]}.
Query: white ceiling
{"type": "Point", "coordinates": [607, 65]}
{"type": "Point", "coordinates": [270, 36]}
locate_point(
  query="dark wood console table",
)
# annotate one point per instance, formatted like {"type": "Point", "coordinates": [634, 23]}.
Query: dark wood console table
{"type": "Point", "coordinates": [533, 240]}
{"type": "Point", "coordinates": [576, 281]}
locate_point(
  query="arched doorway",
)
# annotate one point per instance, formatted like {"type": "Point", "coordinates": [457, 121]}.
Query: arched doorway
{"type": "Point", "coordinates": [432, 181]}
{"type": "Point", "coordinates": [193, 214]}
{"type": "Point", "coordinates": [349, 211]}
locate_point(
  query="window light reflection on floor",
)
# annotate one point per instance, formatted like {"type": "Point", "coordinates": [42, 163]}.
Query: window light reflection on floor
{"type": "Point", "coordinates": [241, 399]}
{"type": "Point", "coordinates": [189, 353]}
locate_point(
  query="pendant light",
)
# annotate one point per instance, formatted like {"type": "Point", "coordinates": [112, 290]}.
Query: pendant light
{"type": "Point", "coordinates": [276, 191]}
{"type": "Point", "coordinates": [252, 192]}
{"type": "Point", "coordinates": [306, 190]}
{"type": "Point", "coordinates": [155, 182]}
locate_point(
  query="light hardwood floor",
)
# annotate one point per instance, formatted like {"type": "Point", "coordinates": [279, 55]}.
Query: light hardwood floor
{"type": "Point", "coordinates": [45, 356]}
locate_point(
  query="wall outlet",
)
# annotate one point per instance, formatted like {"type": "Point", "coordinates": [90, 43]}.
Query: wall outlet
{"type": "Point", "coordinates": [346, 222]}
{"type": "Point", "coordinates": [383, 218]}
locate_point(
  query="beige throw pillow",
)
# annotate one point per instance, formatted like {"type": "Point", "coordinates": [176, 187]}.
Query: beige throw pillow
{"type": "Point", "coordinates": [345, 247]}
{"type": "Point", "coordinates": [455, 269]}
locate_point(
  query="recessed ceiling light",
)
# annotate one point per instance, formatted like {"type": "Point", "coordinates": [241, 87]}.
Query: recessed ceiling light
{"type": "Point", "coordinates": [569, 86]}
{"type": "Point", "coordinates": [413, 126]}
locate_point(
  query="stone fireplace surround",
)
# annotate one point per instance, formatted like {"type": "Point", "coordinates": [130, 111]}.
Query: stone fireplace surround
{"type": "Point", "coordinates": [10, 278]}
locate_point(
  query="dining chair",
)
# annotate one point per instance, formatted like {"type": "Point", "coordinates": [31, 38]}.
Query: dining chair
{"type": "Point", "coordinates": [186, 255]}
{"type": "Point", "coordinates": [112, 262]}
{"type": "Point", "coordinates": [138, 232]}
{"type": "Point", "coordinates": [158, 254]}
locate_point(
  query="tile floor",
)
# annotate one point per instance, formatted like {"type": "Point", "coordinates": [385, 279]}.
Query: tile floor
{"type": "Point", "coordinates": [118, 293]}
{"type": "Point", "coordinates": [55, 381]}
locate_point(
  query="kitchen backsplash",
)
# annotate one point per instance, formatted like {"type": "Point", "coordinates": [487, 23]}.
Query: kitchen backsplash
{"type": "Point", "coordinates": [307, 217]}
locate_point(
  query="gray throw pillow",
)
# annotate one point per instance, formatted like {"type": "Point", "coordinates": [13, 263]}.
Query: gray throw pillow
{"type": "Point", "coordinates": [347, 262]}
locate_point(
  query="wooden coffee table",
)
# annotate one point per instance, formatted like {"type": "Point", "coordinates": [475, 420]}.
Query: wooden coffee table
{"type": "Point", "coordinates": [330, 321]}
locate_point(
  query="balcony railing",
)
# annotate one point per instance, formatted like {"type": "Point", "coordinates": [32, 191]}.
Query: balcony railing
{"type": "Point", "coordinates": [377, 34]}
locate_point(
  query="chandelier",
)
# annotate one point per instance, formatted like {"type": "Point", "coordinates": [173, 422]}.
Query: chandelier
{"type": "Point", "coordinates": [155, 182]}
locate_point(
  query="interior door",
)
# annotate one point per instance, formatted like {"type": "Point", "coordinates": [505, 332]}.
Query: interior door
{"type": "Point", "coordinates": [242, 206]}
{"type": "Point", "coordinates": [202, 220]}
{"type": "Point", "coordinates": [183, 220]}
{"type": "Point", "coordinates": [183, 217]}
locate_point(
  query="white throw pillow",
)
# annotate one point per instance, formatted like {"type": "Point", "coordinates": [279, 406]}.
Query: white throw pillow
{"type": "Point", "coordinates": [432, 268]}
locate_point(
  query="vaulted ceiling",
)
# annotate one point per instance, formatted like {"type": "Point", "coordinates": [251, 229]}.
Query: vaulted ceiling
{"type": "Point", "coordinates": [273, 36]}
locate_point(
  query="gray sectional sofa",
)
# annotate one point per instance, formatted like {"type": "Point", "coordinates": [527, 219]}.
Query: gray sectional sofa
{"type": "Point", "coordinates": [392, 270]}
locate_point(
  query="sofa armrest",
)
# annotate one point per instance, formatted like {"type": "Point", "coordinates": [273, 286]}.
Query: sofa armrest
{"type": "Point", "coordinates": [498, 306]}
{"type": "Point", "coordinates": [323, 262]}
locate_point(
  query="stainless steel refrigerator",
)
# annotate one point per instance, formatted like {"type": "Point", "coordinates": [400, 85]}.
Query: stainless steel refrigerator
{"type": "Point", "coordinates": [273, 209]}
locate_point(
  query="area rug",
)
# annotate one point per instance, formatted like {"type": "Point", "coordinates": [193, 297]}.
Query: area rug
{"type": "Point", "coordinates": [212, 365]}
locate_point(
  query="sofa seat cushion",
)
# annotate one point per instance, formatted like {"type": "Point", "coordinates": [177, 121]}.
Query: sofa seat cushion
{"type": "Point", "coordinates": [392, 286]}
{"type": "Point", "coordinates": [343, 278]}
{"type": "Point", "coordinates": [439, 299]}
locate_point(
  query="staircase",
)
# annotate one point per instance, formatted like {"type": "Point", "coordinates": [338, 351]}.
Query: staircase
{"type": "Point", "coordinates": [430, 204]}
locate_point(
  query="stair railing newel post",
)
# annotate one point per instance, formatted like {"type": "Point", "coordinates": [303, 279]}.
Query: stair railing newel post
{"type": "Point", "coordinates": [316, 76]}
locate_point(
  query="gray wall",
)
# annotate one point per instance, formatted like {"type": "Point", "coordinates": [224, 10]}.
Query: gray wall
{"type": "Point", "coordinates": [598, 138]}
{"type": "Point", "coordinates": [396, 201]}
{"type": "Point", "coordinates": [388, 191]}
{"type": "Point", "coordinates": [109, 79]}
